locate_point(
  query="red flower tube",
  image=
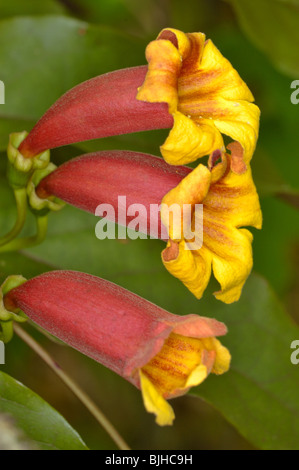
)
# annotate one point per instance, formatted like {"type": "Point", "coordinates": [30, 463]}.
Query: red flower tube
{"type": "Point", "coordinates": [102, 177]}
{"type": "Point", "coordinates": [161, 353]}
{"type": "Point", "coordinates": [101, 107]}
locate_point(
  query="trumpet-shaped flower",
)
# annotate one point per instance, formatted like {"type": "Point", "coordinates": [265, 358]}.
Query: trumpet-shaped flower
{"type": "Point", "coordinates": [188, 86]}
{"type": "Point", "coordinates": [230, 202]}
{"type": "Point", "coordinates": [205, 96]}
{"type": "Point", "coordinates": [162, 354]}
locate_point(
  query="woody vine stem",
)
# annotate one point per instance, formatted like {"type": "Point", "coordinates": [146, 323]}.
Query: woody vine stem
{"type": "Point", "coordinates": [73, 386]}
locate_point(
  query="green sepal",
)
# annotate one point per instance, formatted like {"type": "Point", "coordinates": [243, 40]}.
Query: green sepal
{"type": "Point", "coordinates": [11, 283]}
{"type": "Point", "coordinates": [20, 168]}
{"type": "Point", "coordinates": [7, 317]}
{"type": "Point", "coordinates": [36, 203]}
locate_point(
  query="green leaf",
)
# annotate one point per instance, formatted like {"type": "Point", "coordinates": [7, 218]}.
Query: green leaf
{"type": "Point", "coordinates": [43, 425]}
{"type": "Point", "coordinates": [275, 246]}
{"type": "Point", "coordinates": [11, 437]}
{"type": "Point", "coordinates": [76, 52]}
{"type": "Point", "coordinates": [270, 182]}
{"type": "Point", "coordinates": [272, 25]}
{"type": "Point", "coordinates": [10, 8]}
{"type": "Point", "coordinates": [120, 13]}
{"type": "Point", "coordinates": [259, 395]}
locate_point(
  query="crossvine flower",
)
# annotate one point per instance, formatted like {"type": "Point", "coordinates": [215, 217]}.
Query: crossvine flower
{"type": "Point", "coordinates": [162, 354]}
{"type": "Point", "coordinates": [230, 203]}
{"type": "Point", "coordinates": [188, 86]}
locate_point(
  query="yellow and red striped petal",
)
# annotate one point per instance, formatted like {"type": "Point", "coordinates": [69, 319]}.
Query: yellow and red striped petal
{"type": "Point", "coordinates": [182, 363]}
{"type": "Point", "coordinates": [231, 203]}
{"type": "Point", "coordinates": [205, 95]}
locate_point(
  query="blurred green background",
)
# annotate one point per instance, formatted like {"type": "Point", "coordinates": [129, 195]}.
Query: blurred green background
{"type": "Point", "coordinates": [48, 47]}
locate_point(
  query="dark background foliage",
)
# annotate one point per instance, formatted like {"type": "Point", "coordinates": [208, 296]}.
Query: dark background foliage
{"type": "Point", "coordinates": [46, 48]}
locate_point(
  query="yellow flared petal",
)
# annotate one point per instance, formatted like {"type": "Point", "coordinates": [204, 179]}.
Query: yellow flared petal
{"type": "Point", "coordinates": [161, 82]}
{"type": "Point", "coordinates": [233, 200]}
{"type": "Point", "coordinates": [207, 74]}
{"type": "Point", "coordinates": [237, 119]}
{"type": "Point", "coordinates": [216, 92]}
{"type": "Point", "coordinates": [231, 203]}
{"type": "Point", "coordinates": [232, 264]}
{"type": "Point", "coordinates": [182, 363]}
{"type": "Point", "coordinates": [190, 191]}
{"type": "Point", "coordinates": [205, 94]}
{"type": "Point", "coordinates": [155, 403]}
{"type": "Point", "coordinates": [184, 42]}
{"type": "Point", "coordinates": [223, 357]}
{"type": "Point", "coordinates": [188, 141]}
{"type": "Point", "coordinates": [165, 57]}
{"type": "Point", "coordinates": [197, 376]}
{"type": "Point", "coordinates": [193, 268]}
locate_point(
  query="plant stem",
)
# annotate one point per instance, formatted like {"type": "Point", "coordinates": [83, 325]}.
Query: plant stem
{"type": "Point", "coordinates": [73, 386]}
{"type": "Point", "coordinates": [21, 243]}
{"type": "Point", "coordinates": [21, 202]}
